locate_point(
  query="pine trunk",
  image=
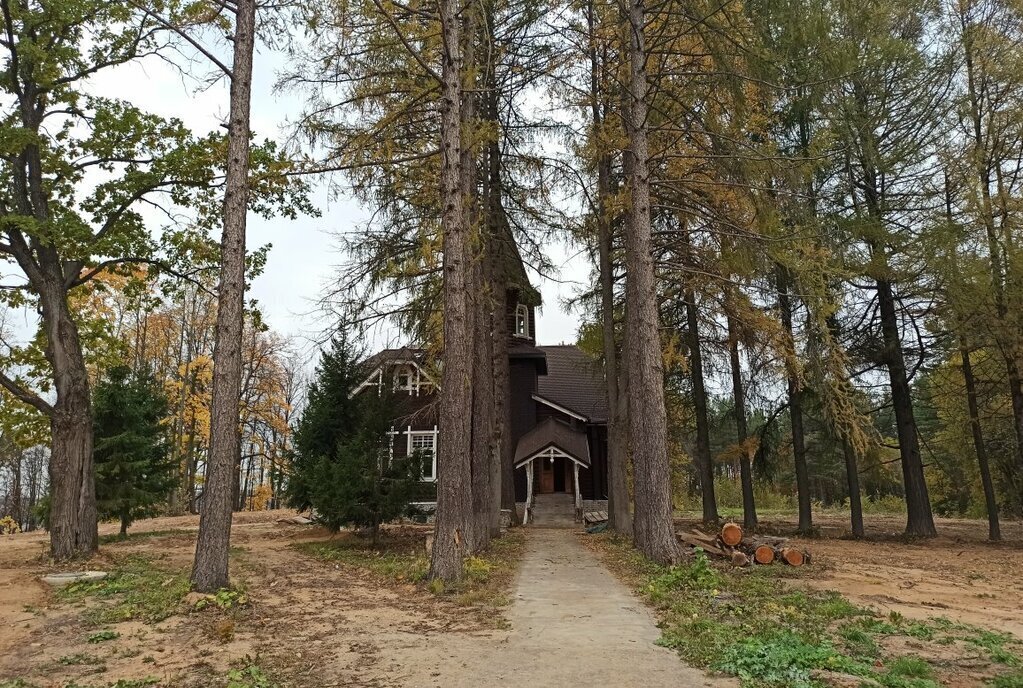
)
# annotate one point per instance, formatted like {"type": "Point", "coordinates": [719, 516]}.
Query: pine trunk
{"type": "Point", "coordinates": [704, 461]}
{"type": "Point", "coordinates": [990, 500]}
{"type": "Point", "coordinates": [795, 394]}
{"type": "Point", "coordinates": [654, 531]}
{"type": "Point", "coordinates": [210, 571]}
{"type": "Point", "coordinates": [852, 476]}
{"type": "Point", "coordinates": [454, 489]}
{"type": "Point", "coordinates": [919, 520]}
{"type": "Point", "coordinates": [749, 507]}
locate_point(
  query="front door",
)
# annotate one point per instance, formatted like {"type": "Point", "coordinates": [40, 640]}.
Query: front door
{"type": "Point", "coordinates": [546, 476]}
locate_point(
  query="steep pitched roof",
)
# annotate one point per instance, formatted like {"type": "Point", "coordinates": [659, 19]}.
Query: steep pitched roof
{"type": "Point", "coordinates": [574, 381]}
{"type": "Point", "coordinates": [553, 433]}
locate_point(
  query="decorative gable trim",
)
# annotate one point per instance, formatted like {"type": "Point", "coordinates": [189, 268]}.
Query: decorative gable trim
{"type": "Point", "coordinates": [559, 407]}
{"type": "Point", "coordinates": [376, 378]}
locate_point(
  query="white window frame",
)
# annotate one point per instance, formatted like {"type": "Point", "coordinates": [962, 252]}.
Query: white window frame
{"type": "Point", "coordinates": [433, 452]}
{"type": "Point", "coordinates": [521, 316]}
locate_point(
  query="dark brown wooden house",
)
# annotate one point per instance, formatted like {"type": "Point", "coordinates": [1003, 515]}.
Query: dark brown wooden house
{"type": "Point", "coordinates": [558, 410]}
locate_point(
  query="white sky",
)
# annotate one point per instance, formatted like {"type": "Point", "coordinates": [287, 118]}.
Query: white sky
{"type": "Point", "coordinates": [304, 255]}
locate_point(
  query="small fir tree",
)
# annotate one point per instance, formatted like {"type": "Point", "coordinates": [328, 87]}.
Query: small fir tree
{"type": "Point", "coordinates": [134, 471]}
{"type": "Point", "coordinates": [342, 466]}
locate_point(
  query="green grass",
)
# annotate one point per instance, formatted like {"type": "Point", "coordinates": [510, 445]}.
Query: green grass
{"type": "Point", "coordinates": [136, 590]}
{"type": "Point", "coordinates": [133, 537]}
{"type": "Point", "coordinates": [403, 560]}
{"type": "Point", "coordinates": [751, 624]}
{"type": "Point", "coordinates": [394, 560]}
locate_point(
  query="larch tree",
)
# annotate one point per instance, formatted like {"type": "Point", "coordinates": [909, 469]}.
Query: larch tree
{"type": "Point", "coordinates": [888, 151]}
{"type": "Point", "coordinates": [653, 527]}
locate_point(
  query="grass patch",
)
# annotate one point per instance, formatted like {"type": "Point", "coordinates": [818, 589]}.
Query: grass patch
{"type": "Point", "coordinates": [402, 559]}
{"type": "Point", "coordinates": [751, 624]}
{"type": "Point", "coordinates": [135, 590]}
{"type": "Point", "coordinates": [249, 675]}
{"type": "Point", "coordinates": [146, 535]}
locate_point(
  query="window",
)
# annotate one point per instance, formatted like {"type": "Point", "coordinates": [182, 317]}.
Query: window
{"type": "Point", "coordinates": [521, 320]}
{"type": "Point", "coordinates": [425, 441]}
{"type": "Point", "coordinates": [403, 379]}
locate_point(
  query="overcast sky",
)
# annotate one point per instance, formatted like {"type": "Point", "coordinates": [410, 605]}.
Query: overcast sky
{"type": "Point", "coordinates": [304, 255]}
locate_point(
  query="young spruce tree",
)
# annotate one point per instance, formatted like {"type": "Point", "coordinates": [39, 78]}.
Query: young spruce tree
{"type": "Point", "coordinates": [134, 471]}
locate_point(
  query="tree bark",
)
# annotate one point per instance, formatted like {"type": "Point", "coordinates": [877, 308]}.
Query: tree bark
{"type": "Point", "coordinates": [990, 500]}
{"type": "Point", "coordinates": [210, 571]}
{"type": "Point", "coordinates": [454, 492]}
{"type": "Point", "coordinates": [749, 507]}
{"type": "Point", "coordinates": [618, 511]}
{"type": "Point", "coordinates": [654, 531]}
{"type": "Point", "coordinates": [73, 516]}
{"type": "Point", "coordinates": [795, 394]}
{"type": "Point", "coordinates": [704, 461]}
{"type": "Point", "coordinates": [919, 520]}
{"type": "Point", "coordinates": [852, 476]}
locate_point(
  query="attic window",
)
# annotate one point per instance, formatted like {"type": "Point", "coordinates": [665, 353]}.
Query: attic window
{"type": "Point", "coordinates": [521, 320]}
{"type": "Point", "coordinates": [404, 379]}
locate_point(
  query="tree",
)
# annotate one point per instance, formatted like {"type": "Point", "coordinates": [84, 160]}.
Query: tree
{"type": "Point", "coordinates": [653, 525]}
{"type": "Point", "coordinates": [134, 468]}
{"type": "Point", "coordinates": [210, 571]}
{"type": "Point", "coordinates": [359, 484]}
{"type": "Point", "coordinates": [62, 231]}
{"type": "Point", "coordinates": [329, 418]}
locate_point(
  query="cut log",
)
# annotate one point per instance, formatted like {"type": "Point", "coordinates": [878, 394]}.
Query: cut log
{"type": "Point", "coordinates": [764, 554]}
{"type": "Point", "coordinates": [708, 547]}
{"type": "Point", "coordinates": [731, 534]}
{"type": "Point", "coordinates": [792, 557]}
{"type": "Point", "coordinates": [739, 559]}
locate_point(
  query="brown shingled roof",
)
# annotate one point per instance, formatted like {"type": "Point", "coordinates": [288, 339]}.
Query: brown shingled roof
{"type": "Point", "coordinates": [553, 433]}
{"type": "Point", "coordinates": [574, 381]}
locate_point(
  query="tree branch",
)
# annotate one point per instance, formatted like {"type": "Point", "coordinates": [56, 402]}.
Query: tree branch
{"type": "Point", "coordinates": [25, 396]}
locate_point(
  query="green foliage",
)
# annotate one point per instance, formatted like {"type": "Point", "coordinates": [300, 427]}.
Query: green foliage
{"type": "Point", "coordinates": [249, 676]}
{"type": "Point", "coordinates": [343, 468]}
{"type": "Point", "coordinates": [136, 590]}
{"type": "Point", "coordinates": [103, 636]}
{"type": "Point", "coordinates": [782, 660]}
{"type": "Point", "coordinates": [134, 469]}
{"type": "Point", "coordinates": [223, 599]}
{"type": "Point", "coordinates": [329, 417]}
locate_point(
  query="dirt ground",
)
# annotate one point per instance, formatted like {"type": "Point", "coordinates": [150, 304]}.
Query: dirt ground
{"type": "Point", "coordinates": [314, 623]}
{"type": "Point", "coordinates": [309, 623]}
{"type": "Point", "coordinates": [958, 575]}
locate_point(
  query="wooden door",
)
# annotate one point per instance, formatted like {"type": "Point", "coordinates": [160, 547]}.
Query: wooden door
{"type": "Point", "coordinates": [546, 476]}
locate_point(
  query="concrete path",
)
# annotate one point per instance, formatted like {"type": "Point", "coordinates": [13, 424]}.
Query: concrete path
{"type": "Point", "coordinates": [572, 624]}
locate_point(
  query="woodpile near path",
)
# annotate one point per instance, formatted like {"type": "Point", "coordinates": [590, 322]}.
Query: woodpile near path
{"type": "Point", "coordinates": [730, 544]}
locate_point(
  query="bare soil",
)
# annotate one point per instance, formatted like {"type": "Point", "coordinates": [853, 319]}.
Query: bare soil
{"type": "Point", "coordinates": [958, 575]}
{"type": "Point", "coordinates": [309, 622]}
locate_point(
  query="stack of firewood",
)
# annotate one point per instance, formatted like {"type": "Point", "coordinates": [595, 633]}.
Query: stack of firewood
{"type": "Point", "coordinates": [730, 544]}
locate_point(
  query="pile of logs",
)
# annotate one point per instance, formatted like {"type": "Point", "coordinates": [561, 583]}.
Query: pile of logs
{"type": "Point", "coordinates": [730, 544]}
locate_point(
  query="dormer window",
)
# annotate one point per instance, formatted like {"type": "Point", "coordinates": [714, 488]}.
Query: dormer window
{"type": "Point", "coordinates": [522, 321]}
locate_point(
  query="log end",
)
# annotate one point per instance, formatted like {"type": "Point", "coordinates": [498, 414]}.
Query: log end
{"type": "Point", "coordinates": [731, 534]}
{"type": "Point", "coordinates": [764, 554]}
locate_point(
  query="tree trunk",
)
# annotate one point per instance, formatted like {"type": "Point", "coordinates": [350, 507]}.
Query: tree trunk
{"type": "Point", "coordinates": [795, 394]}
{"type": "Point", "coordinates": [654, 530]}
{"type": "Point", "coordinates": [125, 522]}
{"type": "Point", "coordinates": [990, 500]}
{"type": "Point", "coordinates": [454, 491]}
{"type": "Point", "coordinates": [749, 507]}
{"type": "Point", "coordinates": [618, 511]}
{"type": "Point", "coordinates": [852, 476]}
{"type": "Point", "coordinates": [73, 516]}
{"type": "Point", "coordinates": [919, 520]}
{"type": "Point", "coordinates": [704, 461]}
{"type": "Point", "coordinates": [210, 572]}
